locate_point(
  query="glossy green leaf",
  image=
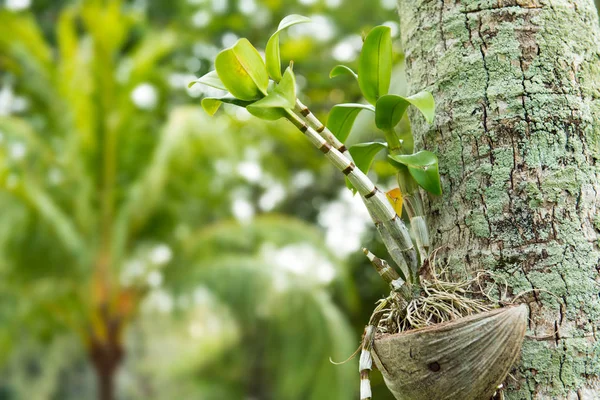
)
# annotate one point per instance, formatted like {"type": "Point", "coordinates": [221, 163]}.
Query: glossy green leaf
{"type": "Point", "coordinates": [210, 79]}
{"type": "Point", "coordinates": [269, 114]}
{"type": "Point", "coordinates": [283, 95]}
{"type": "Point", "coordinates": [242, 71]}
{"type": "Point", "coordinates": [342, 70]}
{"type": "Point", "coordinates": [425, 103]}
{"type": "Point", "coordinates": [212, 104]}
{"type": "Point", "coordinates": [375, 64]}
{"type": "Point", "coordinates": [389, 109]}
{"type": "Point", "coordinates": [405, 136]}
{"type": "Point", "coordinates": [342, 117]}
{"type": "Point", "coordinates": [272, 55]}
{"type": "Point", "coordinates": [423, 166]}
{"type": "Point", "coordinates": [364, 154]}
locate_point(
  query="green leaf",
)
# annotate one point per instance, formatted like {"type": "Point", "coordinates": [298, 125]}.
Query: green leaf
{"type": "Point", "coordinates": [342, 70]}
{"type": "Point", "coordinates": [269, 114]}
{"type": "Point", "coordinates": [242, 71]}
{"type": "Point", "coordinates": [281, 97]}
{"type": "Point", "coordinates": [375, 64]}
{"type": "Point", "coordinates": [212, 104]}
{"type": "Point", "coordinates": [389, 110]}
{"type": "Point", "coordinates": [272, 54]}
{"type": "Point", "coordinates": [364, 154]}
{"type": "Point", "coordinates": [405, 136]}
{"type": "Point", "coordinates": [341, 118]}
{"type": "Point", "coordinates": [210, 79]}
{"type": "Point", "coordinates": [425, 103]}
{"type": "Point", "coordinates": [423, 166]}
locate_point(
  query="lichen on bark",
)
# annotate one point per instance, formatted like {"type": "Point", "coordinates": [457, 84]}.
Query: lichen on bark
{"type": "Point", "coordinates": [517, 131]}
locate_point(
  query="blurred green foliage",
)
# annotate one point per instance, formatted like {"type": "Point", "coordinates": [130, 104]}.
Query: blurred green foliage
{"type": "Point", "coordinates": [120, 194]}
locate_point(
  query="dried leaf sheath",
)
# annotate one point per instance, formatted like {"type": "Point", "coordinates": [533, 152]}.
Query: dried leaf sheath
{"type": "Point", "coordinates": [464, 359]}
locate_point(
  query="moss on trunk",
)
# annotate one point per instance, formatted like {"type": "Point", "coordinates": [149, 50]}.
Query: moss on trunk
{"type": "Point", "coordinates": [517, 131]}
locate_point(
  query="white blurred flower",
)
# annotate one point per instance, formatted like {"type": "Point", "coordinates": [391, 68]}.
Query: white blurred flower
{"type": "Point", "coordinates": [158, 300]}
{"type": "Point", "coordinates": [132, 271]}
{"type": "Point", "coordinates": [160, 255]}
{"type": "Point", "coordinates": [220, 6]}
{"type": "Point", "coordinates": [298, 260]}
{"type": "Point", "coordinates": [201, 18]}
{"type": "Point", "coordinates": [228, 39]}
{"type": "Point", "coordinates": [250, 170]}
{"type": "Point", "coordinates": [242, 210]}
{"type": "Point", "coordinates": [11, 103]}
{"type": "Point", "coordinates": [345, 221]}
{"type": "Point", "coordinates": [302, 179]}
{"type": "Point", "coordinates": [274, 194]}
{"type": "Point", "coordinates": [321, 28]}
{"type": "Point", "coordinates": [154, 279]}
{"type": "Point", "coordinates": [348, 48]}
{"type": "Point", "coordinates": [17, 151]}
{"type": "Point", "coordinates": [247, 7]}
{"type": "Point", "coordinates": [145, 96]}
{"type": "Point", "coordinates": [333, 3]}
{"type": "Point", "coordinates": [18, 5]}
{"type": "Point", "coordinates": [193, 64]}
{"type": "Point", "coordinates": [388, 4]}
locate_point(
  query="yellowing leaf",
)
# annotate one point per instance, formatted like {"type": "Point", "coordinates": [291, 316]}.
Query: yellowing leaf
{"type": "Point", "coordinates": [395, 198]}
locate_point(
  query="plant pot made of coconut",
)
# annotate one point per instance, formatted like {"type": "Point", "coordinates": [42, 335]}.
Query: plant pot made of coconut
{"type": "Point", "coordinates": [463, 359]}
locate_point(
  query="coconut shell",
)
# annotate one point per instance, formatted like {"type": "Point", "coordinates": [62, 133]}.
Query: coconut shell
{"type": "Point", "coordinates": [463, 359]}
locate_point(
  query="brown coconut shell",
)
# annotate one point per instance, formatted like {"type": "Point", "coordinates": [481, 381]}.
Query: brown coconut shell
{"type": "Point", "coordinates": [463, 359]}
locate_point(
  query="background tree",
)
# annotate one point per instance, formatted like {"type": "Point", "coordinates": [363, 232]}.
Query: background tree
{"type": "Point", "coordinates": [103, 202]}
{"type": "Point", "coordinates": [516, 85]}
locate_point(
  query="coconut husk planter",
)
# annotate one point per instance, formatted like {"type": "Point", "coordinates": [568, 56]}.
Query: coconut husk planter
{"type": "Point", "coordinates": [465, 359]}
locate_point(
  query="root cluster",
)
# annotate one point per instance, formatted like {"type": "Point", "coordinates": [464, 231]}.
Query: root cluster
{"type": "Point", "coordinates": [439, 300]}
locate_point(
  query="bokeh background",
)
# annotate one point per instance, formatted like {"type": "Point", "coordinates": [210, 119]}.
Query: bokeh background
{"type": "Point", "coordinates": [159, 253]}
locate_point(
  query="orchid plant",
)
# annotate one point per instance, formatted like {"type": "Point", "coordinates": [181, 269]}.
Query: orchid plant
{"type": "Point", "coordinates": [260, 86]}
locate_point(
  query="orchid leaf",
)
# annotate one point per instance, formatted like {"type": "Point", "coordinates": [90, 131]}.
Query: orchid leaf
{"type": "Point", "coordinates": [363, 154]}
{"type": "Point", "coordinates": [342, 70]}
{"type": "Point", "coordinates": [212, 104]}
{"type": "Point", "coordinates": [342, 117]}
{"type": "Point", "coordinates": [390, 108]}
{"type": "Point", "coordinates": [242, 71]}
{"type": "Point", "coordinates": [424, 103]}
{"type": "Point", "coordinates": [375, 64]}
{"type": "Point", "coordinates": [280, 98]}
{"type": "Point", "coordinates": [210, 79]}
{"type": "Point", "coordinates": [423, 167]}
{"type": "Point", "coordinates": [272, 54]}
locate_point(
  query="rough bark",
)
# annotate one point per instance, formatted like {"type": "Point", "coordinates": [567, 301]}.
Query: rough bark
{"type": "Point", "coordinates": [517, 132]}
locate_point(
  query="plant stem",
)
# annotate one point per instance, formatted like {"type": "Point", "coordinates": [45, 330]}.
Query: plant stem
{"type": "Point", "coordinates": [394, 233]}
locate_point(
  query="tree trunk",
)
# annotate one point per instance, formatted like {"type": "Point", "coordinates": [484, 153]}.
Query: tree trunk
{"type": "Point", "coordinates": [517, 132]}
{"type": "Point", "coordinates": [106, 354]}
{"type": "Point", "coordinates": [106, 358]}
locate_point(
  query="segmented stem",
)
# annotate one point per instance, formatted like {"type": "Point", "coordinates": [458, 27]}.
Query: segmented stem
{"type": "Point", "coordinates": [321, 129]}
{"type": "Point", "coordinates": [365, 363]}
{"type": "Point", "coordinates": [394, 233]}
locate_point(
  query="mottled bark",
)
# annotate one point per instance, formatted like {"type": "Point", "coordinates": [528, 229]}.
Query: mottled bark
{"type": "Point", "coordinates": [517, 132]}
